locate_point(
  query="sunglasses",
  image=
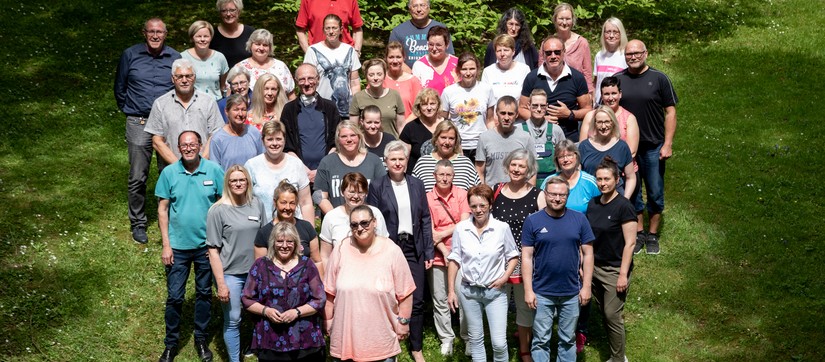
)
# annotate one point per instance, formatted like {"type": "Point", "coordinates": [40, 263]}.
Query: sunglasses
{"type": "Point", "coordinates": [363, 224]}
{"type": "Point", "coordinates": [548, 53]}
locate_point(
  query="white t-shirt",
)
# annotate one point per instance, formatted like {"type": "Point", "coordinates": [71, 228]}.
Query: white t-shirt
{"type": "Point", "coordinates": [265, 180]}
{"type": "Point", "coordinates": [467, 109]}
{"type": "Point", "coordinates": [604, 65]}
{"type": "Point", "coordinates": [336, 225]}
{"type": "Point", "coordinates": [505, 82]}
{"type": "Point", "coordinates": [334, 67]}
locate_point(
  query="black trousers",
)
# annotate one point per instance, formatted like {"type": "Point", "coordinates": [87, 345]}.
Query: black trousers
{"type": "Point", "coordinates": [416, 263]}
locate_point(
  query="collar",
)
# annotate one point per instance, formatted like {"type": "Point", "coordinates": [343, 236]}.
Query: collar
{"type": "Point", "coordinates": [164, 51]}
{"type": "Point", "coordinates": [449, 195]}
{"type": "Point", "coordinates": [199, 170]}
{"type": "Point", "coordinates": [564, 73]}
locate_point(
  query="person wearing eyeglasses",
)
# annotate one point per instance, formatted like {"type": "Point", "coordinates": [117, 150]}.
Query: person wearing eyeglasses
{"type": "Point", "coordinates": [568, 100]}
{"type": "Point", "coordinates": [185, 191]}
{"type": "Point", "coordinates": [231, 36]}
{"type": "Point", "coordinates": [555, 243]}
{"type": "Point", "coordinates": [483, 256]}
{"type": "Point", "coordinates": [335, 227]}
{"type": "Point", "coordinates": [183, 108]}
{"type": "Point", "coordinates": [546, 135]}
{"type": "Point", "coordinates": [413, 33]}
{"type": "Point", "coordinates": [649, 95]}
{"type": "Point", "coordinates": [369, 293]}
{"type": "Point", "coordinates": [231, 226]}
{"type": "Point", "coordinates": [141, 78]}
{"type": "Point", "coordinates": [238, 79]}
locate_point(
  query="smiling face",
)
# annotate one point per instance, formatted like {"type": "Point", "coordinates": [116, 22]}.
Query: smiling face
{"type": "Point", "coordinates": [371, 123]}
{"type": "Point", "coordinates": [567, 161]}
{"type": "Point", "coordinates": [285, 204]}
{"type": "Point", "coordinates": [375, 76]}
{"type": "Point", "coordinates": [480, 209]}
{"type": "Point", "coordinates": [517, 170]}
{"type": "Point", "coordinates": [611, 97]}
{"type": "Point", "coordinates": [229, 13]}
{"type": "Point", "coordinates": [274, 144]}
{"type": "Point", "coordinates": [184, 80]}
{"type": "Point", "coordinates": [237, 114]}
{"type": "Point", "coordinates": [362, 226]}
{"type": "Point", "coordinates": [513, 27]}
{"type": "Point", "coordinates": [612, 37]}
{"type": "Point", "coordinates": [284, 248]}
{"type": "Point", "coordinates": [419, 10]}
{"type": "Point", "coordinates": [445, 143]}
{"type": "Point", "coordinates": [261, 51]}
{"type": "Point", "coordinates": [553, 56]}
{"type": "Point", "coordinates": [238, 183]}
{"type": "Point", "coordinates": [563, 21]}
{"type": "Point", "coordinates": [189, 146]}
{"type": "Point", "coordinates": [429, 109]}
{"type": "Point", "coordinates": [396, 163]}
{"type": "Point", "coordinates": [437, 47]}
{"type": "Point", "coordinates": [348, 140]}
{"type": "Point", "coordinates": [307, 79]}
{"type": "Point", "coordinates": [239, 85]}
{"type": "Point", "coordinates": [202, 38]}
{"type": "Point", "coordinates": [395, 60]}
{"type": "Point", "coordinates": [603, 125]}
{"type": "Point", "coordinates": [556, 196]}
{"type": "Point", "coordinates": [271, 90]}
{"type": "Point", "coordinates": [332, 32]}
{"type": "Point", "coordinates": [155, 34]}
{"type": "Point", "coordinates": [469, 73]}
{"type": "Point", "coordinates": [606, 181]}
{"type": "Point", "coordinates": [354, 197]}
{"type": "Point", "coordinates": [504, 56]}
{"type": "Point", "coordinates": [635, 55]}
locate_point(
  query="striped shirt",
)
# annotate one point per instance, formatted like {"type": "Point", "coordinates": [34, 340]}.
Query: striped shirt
{"type": "Point", "coordinates": [465, 172]}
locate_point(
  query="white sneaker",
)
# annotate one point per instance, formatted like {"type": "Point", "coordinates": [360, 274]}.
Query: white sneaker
{"type": "Point", "coordinates": [447, 348]}
{"type": "Point", "coordinates": [467, 351]}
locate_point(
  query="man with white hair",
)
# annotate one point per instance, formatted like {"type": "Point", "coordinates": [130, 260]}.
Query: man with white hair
{"type": "Point", "coordinates": [412, 34]}
{"type": "Point", "coordinates": [180, 109]}
{"type": "Point", "coordinates": [139, 80]}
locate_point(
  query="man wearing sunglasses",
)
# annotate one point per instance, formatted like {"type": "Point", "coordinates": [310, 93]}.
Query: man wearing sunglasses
{"type": "Point", "coordinates": [568, 100]}
{"type": "Point", "coordinates": [139, 80]}
{"type": "Point", "coordinates": [180, 109]}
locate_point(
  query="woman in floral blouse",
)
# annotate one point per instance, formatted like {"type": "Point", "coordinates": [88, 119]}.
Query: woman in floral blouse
{"type": "Point", "coordinates": [285, 289]}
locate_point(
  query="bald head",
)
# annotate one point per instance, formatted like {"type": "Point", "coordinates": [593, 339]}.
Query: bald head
{"type": "Point", "coordinates": [635, 55]}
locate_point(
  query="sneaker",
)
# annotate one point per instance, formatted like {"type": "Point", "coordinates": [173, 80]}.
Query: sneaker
{"type": "Point", "coordinates": [641, 238]}
{"type": "Point", "coordinates": [447, 348]}
{"type": "Point", "coordinates": [247, 351]}
{"type": "Point", "coordinates": [467, 351]}
{"type": "Point", "coordinates": [202, 347]}
{"type": "Point", "coordinates": [168, 355]}
{"type": "Point", "coordinates": [581, 339]}
{"type": "Point", "coordinates": [139, 234]}
{"type": "Point", "coordinates": [652, 244]}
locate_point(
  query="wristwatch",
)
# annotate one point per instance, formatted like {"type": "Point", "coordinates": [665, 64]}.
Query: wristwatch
{"type": "Point", "coordinates": [572, 116]}
{"type": "Point", "coordinates": [403, 321]}
{"type": "Point", "coordinates": [299, 312]}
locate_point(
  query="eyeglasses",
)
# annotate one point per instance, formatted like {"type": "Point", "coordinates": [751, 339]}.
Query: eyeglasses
{"type": "Point", "coordinates": [154, 32]}
{"type": "Point", "coordinates": [612, 32]}
{"type": "Point", "coordinates": [567, 156]}
{"type": "Point", "coordinates": [548, 53]}
{"type": "Point", "coordinates": [239, 84]}
{"type": "Point", "coordinates": [538, 106]}
{"type": "Point", "coordinates": [184, 76]}
{"type": "Point", "coordinates": [363, 224]}
{"type": "Point", "coordinates": [443, 175]}
{"type": "Point", "coordinates": [419, 6]}
{"type": "Point", "coordinates": [229, 11]}
{"type": "Point", "coordinates": [635, 54]}
{"type": "Point", "coordinates": [189, 146]}
{"type": "Point", "coordinates": [554, 195]}
{"type": "Point", "coordinates": [237, 181]}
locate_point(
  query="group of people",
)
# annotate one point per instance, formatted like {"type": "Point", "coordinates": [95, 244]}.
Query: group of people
{"type": "Point", "coordinates": [532, 171]}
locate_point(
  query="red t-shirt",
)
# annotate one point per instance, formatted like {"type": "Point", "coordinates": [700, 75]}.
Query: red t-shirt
{"type": "Point", "coordinates": [312, 13]}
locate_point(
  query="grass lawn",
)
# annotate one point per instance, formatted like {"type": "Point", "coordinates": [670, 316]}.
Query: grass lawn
{"type": "Point", "coordinates": [741, 242]}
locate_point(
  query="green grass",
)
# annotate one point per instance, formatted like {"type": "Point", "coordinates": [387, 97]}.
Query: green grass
{"type": "Point", "coordinates": [742, 243]}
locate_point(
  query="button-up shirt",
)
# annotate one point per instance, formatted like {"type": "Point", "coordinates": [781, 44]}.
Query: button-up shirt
{"type": "Point", "coordinates": [482, 257]}
{"type": "Point", "coordinates": [456, 203]}
{"type": "Point", "coordinates": [169, 118]}
{"type": "Point", "coordinates": [142, 77]}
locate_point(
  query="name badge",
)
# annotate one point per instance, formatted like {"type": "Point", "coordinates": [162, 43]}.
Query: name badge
{"type": "Point", "coordinates": [540, 147]}
{"type": "Point", "coordinates": [208, 182]}
{"type": "Point", "coordinates": [253, 218]}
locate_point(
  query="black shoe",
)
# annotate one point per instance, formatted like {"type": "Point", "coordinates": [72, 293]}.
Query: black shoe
{"type": "Point", "coordinates": [247, 351]}
{"type": "Point", "coordinates": [168, 355]}
{"type": "Point", "coordinates": [202, 347]}
{"type": "Point", "coordinates": [641, 239]}
{"type": "Point", "coordinates": [139, 234]}
{"type": "Point", "coordinates": [652, 244]}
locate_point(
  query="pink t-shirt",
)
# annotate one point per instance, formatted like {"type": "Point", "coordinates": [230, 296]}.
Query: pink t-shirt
{"type": "Point", "coordinates": [367, 289]}
{"type": "Point", "coordinates": [429, 78]}
{"type": "Point", "coordinates": [578, 57]}
{"type": "Point", "coordinates": [456, 202]}
{"type": "Point", "coordinates": [408, 89]}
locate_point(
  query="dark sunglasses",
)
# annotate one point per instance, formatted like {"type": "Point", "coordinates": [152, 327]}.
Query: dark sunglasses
{"type": "Point", "coordinates": [548, 53]}
{"type": "Point", "coordinates": [363, 224]}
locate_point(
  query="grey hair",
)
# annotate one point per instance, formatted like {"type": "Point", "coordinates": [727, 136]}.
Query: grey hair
{"type": "Point", "coordinates": [238, 4]}
{"type": "Point", "coordinates": [182, 63]}
{"type": "Point", "coordinates": [260, 36]}
{"type": "Point", "coordinates": [395, 146]}
{"type": "Point", "coordinates": [522, 154]}
{"type": "Point", "coordinates": [236, 71]}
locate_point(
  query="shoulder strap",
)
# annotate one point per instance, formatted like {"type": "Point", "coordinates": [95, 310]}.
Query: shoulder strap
{"type": "Point", "coordinates": [498, 190]}
{"type": "Point", "coordinates": [445, 209]}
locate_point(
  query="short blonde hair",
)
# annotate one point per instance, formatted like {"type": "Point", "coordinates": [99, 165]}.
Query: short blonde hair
{"type": "Point", "coordinates": [355, 128]}
{"type": "Point", "coordinates": [287, 229]}
{"type": "Point", "coordinates": [425, 96]}
{"type": "Point", "coordinates": [198, 25]}
{"type": "Point", "coordinates": [445, 126]}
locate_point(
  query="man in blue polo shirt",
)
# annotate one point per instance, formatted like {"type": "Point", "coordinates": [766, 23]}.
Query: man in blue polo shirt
{"type": "Point", "coordinates": [185, 190]}
{"type": "Point", "coordinates": [142, 76]}
{"type": "Point", "coordinates": [566, 88]}
{"type": "Point", "coordinates": [550, 243]}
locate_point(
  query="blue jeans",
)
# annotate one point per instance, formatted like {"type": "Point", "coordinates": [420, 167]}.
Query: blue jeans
{"type": "Point", "coordinates": [547, 308]}
{"type": "Point", "coordinates": [652, 174]}
{"type": "Point", "coordinates": [139, 145]}
{"type": "Point", "coordinates": [232, 315]}
{"type": "Point", "coordinates": [176, 276]}
{"type": "Point", "coordinates": [476, 301]}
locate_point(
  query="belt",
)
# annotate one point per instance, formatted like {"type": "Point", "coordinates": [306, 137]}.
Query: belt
{"type": "Point", "coordinates": [404, 237]}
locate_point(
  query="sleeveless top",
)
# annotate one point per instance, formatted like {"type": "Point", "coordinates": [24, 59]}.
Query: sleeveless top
{"type": "Point", "coordinates": [514, 212]}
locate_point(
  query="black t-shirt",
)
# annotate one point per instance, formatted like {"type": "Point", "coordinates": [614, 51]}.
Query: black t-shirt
{"type": "Point", "coordinates": [306, 232]}
{"type": "Point", "coordinates": [606, 222]}
{"type": "Point", "coordinates": [420, 138]}
{"type": "Point", "coordinates": [234, 49]}
{"type": "Point", "coordinates": [646, 96]}
{"type": "Point", "coordinates": [379, 150]}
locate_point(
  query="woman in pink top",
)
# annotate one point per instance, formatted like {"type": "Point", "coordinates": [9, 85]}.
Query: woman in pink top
{"type": "Point", "coordinates": [405, 83]}
{"type": "Point", "coordinates": [576, 47]}
{"type": "Point", "coordinates": [611, 89]}
{"type": "Point", "coordinates": [369, 288]}
{"type": "Point", "coordinates": [436, 70]}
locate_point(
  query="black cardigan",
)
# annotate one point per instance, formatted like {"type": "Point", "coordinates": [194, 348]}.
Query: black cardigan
{"type": "Point", "coordinates": [289, 116]}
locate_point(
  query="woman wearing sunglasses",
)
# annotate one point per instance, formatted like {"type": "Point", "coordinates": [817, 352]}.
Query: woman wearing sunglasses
{"type": "Point", "coordinates": [369, 293]}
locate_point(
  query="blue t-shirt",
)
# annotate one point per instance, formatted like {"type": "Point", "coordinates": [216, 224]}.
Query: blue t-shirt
{"type": "Point", "coordinates": [555, 242]}
{"type": "Point", "coordinates": [591, 158]}
{"type": "Point", "coordinates": [190, 195]}
{"type": "Point", "coordinates": [580, 194]}
{"type": "Point", "coordinates": [312, 135]}
{"type": "Point", "coordinates": [227, 150]}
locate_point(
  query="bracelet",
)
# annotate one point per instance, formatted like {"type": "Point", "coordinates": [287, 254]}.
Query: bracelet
{"type": "Point", "coordinates": [299, 312]}
{"type": "Point", "coordinates": [263, 311]}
